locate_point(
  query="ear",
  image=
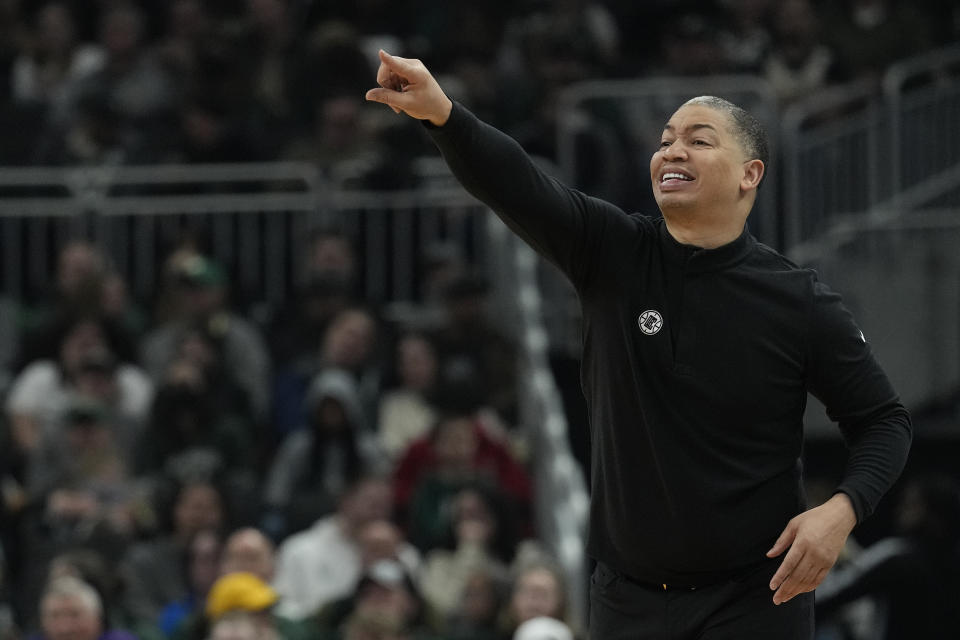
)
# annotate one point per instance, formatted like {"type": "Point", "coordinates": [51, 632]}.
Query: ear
{"type": "Point", "coordinates": [752, 174]}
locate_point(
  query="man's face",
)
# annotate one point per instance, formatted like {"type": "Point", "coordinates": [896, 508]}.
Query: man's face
{"type": "Point", "coordinates": [198, 507]}
{"type": "Point", "coordinates": [370, 501]}
{"type": "Point", "coordinates": [349, 339]}
{"type": "Point", "coordinates": [251, 551]}
{"type": "Point", "coordinates": [700, 165]}
{"type": "Point", "coordinates": [66, 618]}
{"type": "Point", "coordinates": [537, 593]}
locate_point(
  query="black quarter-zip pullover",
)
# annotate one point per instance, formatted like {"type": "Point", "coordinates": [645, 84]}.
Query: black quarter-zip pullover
{"type": "Point", "coordinates": [696, 367]}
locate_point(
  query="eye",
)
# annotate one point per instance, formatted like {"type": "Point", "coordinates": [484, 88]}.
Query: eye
{"type": "Point", "coordinates": [701, 143]}
{"type": "Point", "coordinates": [664, 143]}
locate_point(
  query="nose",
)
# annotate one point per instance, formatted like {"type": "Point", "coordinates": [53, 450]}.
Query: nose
{"type": "Point", "coordinates": [675, 151]}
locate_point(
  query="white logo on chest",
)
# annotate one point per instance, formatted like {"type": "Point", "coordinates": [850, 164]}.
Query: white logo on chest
{"type": "Point", "coordinates": [650, 322]}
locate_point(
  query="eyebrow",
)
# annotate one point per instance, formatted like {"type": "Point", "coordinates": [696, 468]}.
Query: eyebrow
{"type": "Point", "coordinates": [693, 127]}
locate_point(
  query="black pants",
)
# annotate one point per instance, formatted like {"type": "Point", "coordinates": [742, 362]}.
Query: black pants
{"type": "Point", "coordinates": [738, 609]}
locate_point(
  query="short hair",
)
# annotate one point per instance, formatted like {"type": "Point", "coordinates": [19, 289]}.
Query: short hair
{"type": "Point", "coordinates": [751, 135]}
{"type": "Point", "coordinates": [72, 587]}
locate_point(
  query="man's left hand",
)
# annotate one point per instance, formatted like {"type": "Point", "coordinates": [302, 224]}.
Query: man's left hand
{"type": "Point", "coordinates": [815, 539]}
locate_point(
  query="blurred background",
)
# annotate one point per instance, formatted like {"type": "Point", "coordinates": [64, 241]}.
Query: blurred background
{"type": "Point", "coordinates": [268, 372]}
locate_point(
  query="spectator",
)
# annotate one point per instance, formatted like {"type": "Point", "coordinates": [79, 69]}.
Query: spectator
{"type": "Point", "coordinates": [86, 363]}
{"type": "Point", "coordinates": [199, 302]}
{"type": "Point", "coordinates": [315, 463]}
{"type": "Point", "coordinates": [457, 453]}
{"type": "Point", "coordinates": [869, 35]}
{"type": "Point", "coordinates": [327, 282]}
{"type": "Point", "coordinates": [153, 569]}
{"type": "Point", "coordinates": [477, 615]}
{"type": "Point", "coordinates": [458, 32]}
{"type": "Point", "coordinates": [350, 344]}
{"type": "Point", "coordinates": [248, 550]}
{"type": "Point", "coordinates": [800, 62]}
{"type": "Point", "coordinates": [236, 625]}
{"type": "Point", "coordinates": [342, 138]}
{"type": "Point", "coordinates": [480, 541]}
{"type": "Point", "coordinates": [386, 600]}
{"type": "Point", "coordinates": [13, 39]}
{"type": "Point", "coordinates": [407, 411]}
{"type": "Point", "coordinates": [209, 127]}
{"type": "Point", "coordinates": [202, 560]}
{"type": "Point", "coordinates": [82, 273]}
{"type": "Point", "coordinates": [471, 346]}
{"type": "Point", "coordinates": [246, 593]}
{"type": "Point", "coordinates": [270, 58]}
{"type": "Point", "coordinates": [57, 59]}
{"type": "Point", "coordinates": [702, 53]}
{"type": "Point", "coordinates": [324, 563]}
{"type": "Point", "coordinates": [113, 112]}
{"type": "Point", "coordinates": [327, 285]}
{"type": "Point", "coordinates": [331, 254]}
{"type": "Point", "coordinates": [539, 590]}
{"type": "Point", "coordinates": [384, 540]}
{"type": "Point", "coordinates": [81, 495]}
{"type": "Point", "coordinates": [86, 459]}
{"type": "Point", "coordinates": [443, 263]}
{"type": "Point", "coordinates": [98, 570]}
{"type": "Point", "coordinates": [187, 30]}
{"type": "Point", "coordinates": [745, 38]}
{"type": "Point", "coordinates": [545, 51]}
{"type": "Point", "coordinates": [192, 429]}
{"type": "Point", "coordinates": [71, 609]}
{"type": "Point", "coordinates": [118, 308]}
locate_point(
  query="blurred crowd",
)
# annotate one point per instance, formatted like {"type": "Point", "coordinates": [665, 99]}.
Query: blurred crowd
{"type": "Point", "coordinates": [187, 81]}
{"type": "Point", "coordinates": [179, 468]}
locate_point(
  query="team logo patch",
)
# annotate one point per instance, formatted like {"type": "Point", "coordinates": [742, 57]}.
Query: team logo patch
{"type": "Point", "coordinates": [650, 322]}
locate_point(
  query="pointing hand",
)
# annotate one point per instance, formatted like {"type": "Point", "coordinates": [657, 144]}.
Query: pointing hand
{"type": "Point", "coordinates": [407, 86]}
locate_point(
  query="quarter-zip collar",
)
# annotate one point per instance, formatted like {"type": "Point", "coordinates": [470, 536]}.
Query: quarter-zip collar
{"type": "Point", "coordinates": [697, 260]}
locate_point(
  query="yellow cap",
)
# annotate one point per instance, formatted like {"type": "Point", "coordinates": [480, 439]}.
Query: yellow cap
{"type": "Point", "coordinates": [239, 591]}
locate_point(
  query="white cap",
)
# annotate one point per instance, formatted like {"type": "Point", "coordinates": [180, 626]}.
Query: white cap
{"type": "Point", "coordinates": [543, 628]}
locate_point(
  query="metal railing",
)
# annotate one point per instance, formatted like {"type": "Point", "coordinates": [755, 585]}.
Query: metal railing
{"type": "Point", "coordinates": [832, 156]}
{"type": "Point", "coordinates": [853, 152]}
{"type": "Point", "coordinates": [255, 219]}
{"type": "Point", "coordinates": [923, 98]}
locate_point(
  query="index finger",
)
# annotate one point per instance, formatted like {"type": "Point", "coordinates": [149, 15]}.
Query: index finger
{"type": "Point", "coordinates": [400, 66]}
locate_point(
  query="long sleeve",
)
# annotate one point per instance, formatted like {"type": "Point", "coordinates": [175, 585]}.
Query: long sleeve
{"type": "Point", "coordinates": [846, 377]}
{"type": "Point", "coordinates": [549, 216]}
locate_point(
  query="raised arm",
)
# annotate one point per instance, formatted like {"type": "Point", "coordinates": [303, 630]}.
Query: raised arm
{"type": "Point", "coordinates": [562, 224]}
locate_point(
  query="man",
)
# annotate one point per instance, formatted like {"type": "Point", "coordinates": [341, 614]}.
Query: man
{"type": "Point", "coordinates": [71, 609]}
{"type": "Point", "coordinates": [700, 345]}
{"type": "Point", "coordinates": [198, 304]}
{"type": "Point", "coordinates": [323, 563]}
{"type": "Point", "coordinates": [248, 549]}
{"type": "Point", "coordinates": [246, 593]}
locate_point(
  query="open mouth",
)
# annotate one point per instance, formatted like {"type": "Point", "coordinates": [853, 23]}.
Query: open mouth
{"type": "Point", "coordinates": [675, 175]}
